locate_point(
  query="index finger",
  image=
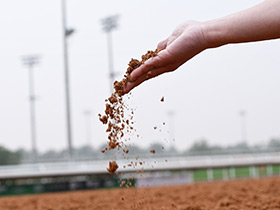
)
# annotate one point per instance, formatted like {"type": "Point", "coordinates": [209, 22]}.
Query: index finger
{"type": "Point", "coordinates": [152, 63]}
{"type": "Point", "coordinates": [143, 69]}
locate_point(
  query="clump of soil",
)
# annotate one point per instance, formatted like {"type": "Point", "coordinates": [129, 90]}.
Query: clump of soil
{"type": "Point", "coordinates": [133, 64]}
{"type": "Point", "coordinates": [153, 151]}
{"type": "Point", "coordinates": [115, 107]}
{"type": "Point", "coordinates": [113, 166]}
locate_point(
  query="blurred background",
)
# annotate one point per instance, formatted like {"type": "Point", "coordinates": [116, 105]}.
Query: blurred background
{"type": "Point", "coordinates": [58, 60]}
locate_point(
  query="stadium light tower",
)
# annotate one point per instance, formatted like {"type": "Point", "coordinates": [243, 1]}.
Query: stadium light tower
{"type": "Point", "coordinates": [30, 61]}
{"type": "Point", "coordinates": [242, 114]}
{"type": "Point", "coordinates": [67, 32]}
{"type": "Point", "coordinates": [109, 24]}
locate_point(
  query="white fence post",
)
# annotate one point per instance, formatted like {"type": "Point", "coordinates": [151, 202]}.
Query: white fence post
{"type": "Point", "coordinates": [210, 176]}
{"type": "Point", "coordinates": [225, 174]}
{"type": "Point", "coordinates": [253, 172]}
{"type": "Point", "coordinates": [269, 170]}
{"type": "Point", "coordinates": [232, 174]}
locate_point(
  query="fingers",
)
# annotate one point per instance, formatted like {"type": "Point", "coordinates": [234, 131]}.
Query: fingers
{"type": "Point", "coordinates": [150, 74]}
{"type": "Point", "coordinates": [171, 39]}
{"type": "Point", "coordinates": [154, 62]}
{"type": "Point", "coordinates": [162, 59]}
{"type": "Point", "coordinates": [162, 45]}
{"type": "Point", "coordinates": [175, 34]}
{"type": "Point", "coordinates": [143, 69]}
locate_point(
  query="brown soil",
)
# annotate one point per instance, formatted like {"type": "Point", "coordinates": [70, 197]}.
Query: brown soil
{"type": "Point", "coordinates": [113, 166]}
{"type": "Point", "coordinates": [153, 151]}
{"type": "Point", "coordinates": [115, 108]}
{"type": "Point", "coordinates": [262, 194]}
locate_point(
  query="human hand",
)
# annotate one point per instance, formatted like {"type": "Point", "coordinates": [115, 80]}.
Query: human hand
{"type": "Point", "coordinates": [186, 41]}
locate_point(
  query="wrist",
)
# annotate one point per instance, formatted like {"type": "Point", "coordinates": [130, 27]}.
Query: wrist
{"type": "Point", "coordinates": [215, 33]}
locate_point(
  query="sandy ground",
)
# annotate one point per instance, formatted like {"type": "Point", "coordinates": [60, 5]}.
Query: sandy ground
{"type": "Point", "coordinates": [261, 194]}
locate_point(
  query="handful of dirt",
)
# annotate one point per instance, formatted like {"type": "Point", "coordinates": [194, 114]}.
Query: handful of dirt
{"type": "Point", "coordinates": [133, 64]}
{"type": "Point", "coordinates": [114, 116]}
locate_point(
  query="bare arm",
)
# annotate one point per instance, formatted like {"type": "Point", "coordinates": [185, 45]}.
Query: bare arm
{"type": "Point", "coordinates": [261, 22]}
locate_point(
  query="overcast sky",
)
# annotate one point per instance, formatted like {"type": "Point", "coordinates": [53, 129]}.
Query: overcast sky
{"type": "Point", "coordinates": [206, 94]}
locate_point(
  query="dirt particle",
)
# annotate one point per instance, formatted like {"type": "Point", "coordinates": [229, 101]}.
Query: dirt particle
{"type": "Point", "coordinates": [103, 119]}
{"type": "Point", "coordinates": [149, 75]}
{"type": "Point", "coordinates": [113, 166]}
{"type": "Point", "coordinates": [162, 99]}
{"type": "Point", "coordinates": [126, 151]}
{"type": "Point", "coordinates": [153, 151]}
{"type": "Point", "coordinates": [113, 99]}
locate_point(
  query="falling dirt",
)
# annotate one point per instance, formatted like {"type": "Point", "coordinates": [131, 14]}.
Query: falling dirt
{"type": "Point", "coordinates": [113, 166]}
{"type": "Point", "coordinates": [115, 108]}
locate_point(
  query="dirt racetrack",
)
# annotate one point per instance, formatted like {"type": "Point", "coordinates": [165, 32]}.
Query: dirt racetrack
{"type": "Point", "coordinates": [261, 194]}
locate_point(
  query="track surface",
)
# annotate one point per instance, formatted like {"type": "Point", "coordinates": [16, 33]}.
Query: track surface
{"type": "Point", "coordinates": [261, 194]}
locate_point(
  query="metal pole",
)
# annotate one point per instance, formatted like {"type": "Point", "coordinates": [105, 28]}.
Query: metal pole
{"type": "Point", "coordinates": [30, 61]}
{"type": "Point", "coordinates": [32, 99]}
{"type": "Point", "coordinates": [110, 23]}
{"type": "Point", "coordinates": [67, 89]}
{"type": "Point", "coordinates": [110, 56]}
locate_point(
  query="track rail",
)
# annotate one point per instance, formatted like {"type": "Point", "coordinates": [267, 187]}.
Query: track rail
{"type": "Point", "coordinates": [94, 167]}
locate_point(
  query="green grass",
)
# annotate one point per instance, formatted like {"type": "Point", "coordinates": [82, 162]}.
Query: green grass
{"type": "Point", "coordinates": [242, 172]}
{"type": "Point", "coordinates": [218, 174]}
{"type": "Point", "coordinates": [276, 170]}
{"type": "Point", "coordinates": [262, 170]}
{"type": "Point", "coordinates": [200, 175]}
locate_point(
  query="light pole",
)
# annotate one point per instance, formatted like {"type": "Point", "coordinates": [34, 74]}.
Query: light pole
{"type": "Point", "coordinates": [30, 61]}
{"type": "Point", "coordinates": [110, 23]}
{"type": "Point", "coordinates": [87, 114]}
{"type": "Point", "coordinates": [242, 114]}
{"type": "Point", "coordinates": [67, 32]}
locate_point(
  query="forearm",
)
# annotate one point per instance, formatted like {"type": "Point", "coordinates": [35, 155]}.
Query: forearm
{"type": "Point", "coordinates": [261, 22]}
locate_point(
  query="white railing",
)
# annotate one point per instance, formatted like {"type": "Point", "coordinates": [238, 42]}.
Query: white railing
{"type": "Point", "coordinates": [173, 163]}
